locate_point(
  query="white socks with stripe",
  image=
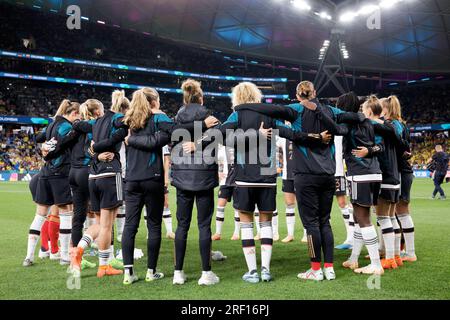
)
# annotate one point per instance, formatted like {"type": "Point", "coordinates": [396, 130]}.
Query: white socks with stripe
{"type": "Point", "coordinates": [351, 227]}
{"type": "Point", "coordinates": [258, 228]}
{"type": "Point", "coordinates": [33, 235]}
{"type": "Point", "coordinates": [237, 223]}
{"type": "Point", "coordinates": [387, 232]}
{"type": "Point", "coordinates": [290, 220]}
{"type": "Point", "coordinates": [220, 217]}
{"type": "Point", "coordinates": [120, 220]}
{"type": "Point", "coordinates": [248, 245]}
{"type": "Point", "coordinates": [398, 235]}
{"type": "Point", "coordinates": [408, 232]}
{"type": "Point", "coordinates": [369, 235]}
{"type": "Point", "coordinates": [275, 222]}
{"type": "Point", "coordinates": [167, 219]}
{"type": "Point", "coordinates": [65, 230]}
{"type": "Point", "coordinates": [85, 241]}
{"type": "Point", "coordinates": [347, 214]}
{"type": "Point", "coordinates": [358, 244]}
{"type": "Point", "coordinates": [266, 243]}
{"type": "Point", "coordinates": [103, 257]}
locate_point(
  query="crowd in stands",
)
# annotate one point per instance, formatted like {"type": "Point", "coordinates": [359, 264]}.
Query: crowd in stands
{"type": "Point", "coordinates": [19, 97]}
{"type": "Point", "coordinates": [423, 104]}
{"type": "Point", "coordinates": [423, 145]}
{"type": "Point", "coordinates": [97, 42]}
{"type": "Point", "coordinates": [18, 151]}
{"type": "Point", "coordinates": [117, 76]}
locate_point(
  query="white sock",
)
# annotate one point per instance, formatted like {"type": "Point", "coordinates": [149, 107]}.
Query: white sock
{"type": "Point", "coordinates": [103, 257]}
{"type": "Point", "coordinates": [398, 236]}
{"type": "Point", "coordinates": [380, 238]}
{"type": "Point", "coordinates": [408, 232]}
{"type": "Point", "coordinates": [85, 241]}
{"type": "Point", "coordinates": [237, 223]}
{"type": "Point", "coordinates": [358, 243]}
{"type": "Point", "coordinates": [305, 234]}
{"type": "Point", "coordinates": [111, 253]}
{"type": "Point", "coordinates": [275, 222]}
{"type": "Point", "coordinates": [369, 234]}
{"type": "Point", "coordinates": [167, 219]}
{"type": "Point", "coordinates": [33, 235]}
{"type": "Point", "coordinates": [346, 216]}
{"type": "Point", "coordinates": [258, 228]}
{"type": "Point", "coordinates": [220, 217]}
{"type": "Point", "coordinates": [120, 220]}
{"type": "Point", "coordinates": [351, 228]}
{"type": "Point", "coordinates": [248, 245]}
{"type": "Point", "coordinates": [65, 230]}
{"type": "Point", "coordinates": [387, 232]}
{"type": "Point", "coordinates": [290, 220]}
{"type": "Point", "coordinates": [266, 243]}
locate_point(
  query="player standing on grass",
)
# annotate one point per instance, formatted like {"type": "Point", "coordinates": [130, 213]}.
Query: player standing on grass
{"type": "Point", "coordinates": [314, 171]}
{"type": "Point", "coordinates": [50, 228]}
{"type": "Point", "coordinates": [392, 114]}
{"type": "Point", "coordinates": [365, 176]}
{"type": "Point", "coordinates": [195, 180]}
{"type": "Point", "coordinates": [105, 182]}
{"type": "Point", "coordinates": [145, 179]}
{"type": "Point", "coordinates": [390, 136]}
{"type": "Point", "coordinates": [53, 185]}
{"type": "Point", "coordinates": [440, 166]}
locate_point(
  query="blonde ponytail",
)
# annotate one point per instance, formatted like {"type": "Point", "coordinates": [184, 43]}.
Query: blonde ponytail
{"type": "Point", "coordinates": [66, 107]}
{"type": "Point", "coordinates": [120, 103]}
{"type": "Point", "coordinates": [140, 108]}
{"type": "Point", "coordinates": [392, 104]}
{"type": "Point", "coordinates": [88, 108]}
{"type": "Point", "coordinates": [192, 91]}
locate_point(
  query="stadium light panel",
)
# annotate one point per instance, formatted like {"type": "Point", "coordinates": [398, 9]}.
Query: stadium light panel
{"type": "Point", "coordinates": [347, 16]}
{"type": "Point", "coordinates": [368, 9]}
{"type": "Point", "coordinates": [325, 15]}
{"type": "Point", "coordinates": [301, 5]}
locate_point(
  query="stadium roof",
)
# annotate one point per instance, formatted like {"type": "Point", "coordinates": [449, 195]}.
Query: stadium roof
{"type": "Point", "coordinates": [414, 34]}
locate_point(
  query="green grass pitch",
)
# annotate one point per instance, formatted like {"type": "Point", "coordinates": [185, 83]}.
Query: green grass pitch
{"type": "Point", "coordinates": [428, 278]}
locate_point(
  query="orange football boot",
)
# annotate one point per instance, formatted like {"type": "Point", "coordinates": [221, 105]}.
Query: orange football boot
{"type": "Point", "coordinates": [108, 271]}
{"type": "Point", "coordinates": [389, 264]}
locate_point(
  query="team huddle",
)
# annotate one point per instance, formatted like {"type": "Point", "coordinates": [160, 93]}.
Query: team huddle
{"type": "Point", "coordinates": [102, 167]}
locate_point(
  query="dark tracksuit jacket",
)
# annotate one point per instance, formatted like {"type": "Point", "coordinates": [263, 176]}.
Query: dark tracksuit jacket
{"type": "Point", "coordinates": [362, 169]}
{"type": "Point", "coordinates": [59, 166]}
{"type": "Point", "coordinates": [314, 169]}
{"type": "Point", "coordinates": [403, 162]}
{"type": "Point", "coordinates": [104, 129]}
{"type": "Point", "coordinates": [390, 136]}
{"type": "Point", "coordinates": [249, 117]}
{"type": "Point", "coordinates": [186, 173]}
